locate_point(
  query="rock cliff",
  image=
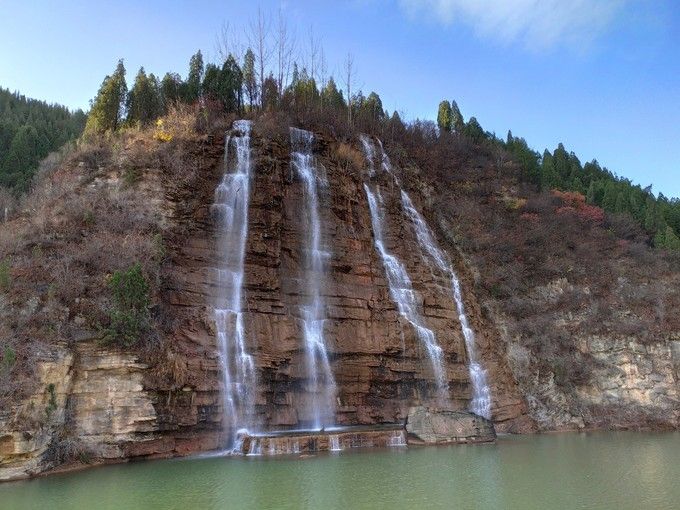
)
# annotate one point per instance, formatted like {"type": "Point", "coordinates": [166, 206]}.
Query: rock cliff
{"type": "Point", "coordinates": [95, 403]}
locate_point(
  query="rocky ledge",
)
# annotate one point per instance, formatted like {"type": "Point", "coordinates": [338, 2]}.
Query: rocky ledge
{"type": "Point", "coordinates": [430, 426]}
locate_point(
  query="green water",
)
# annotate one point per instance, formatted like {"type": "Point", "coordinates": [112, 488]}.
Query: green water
{"type": "Point", "coordinates": [567, 471]}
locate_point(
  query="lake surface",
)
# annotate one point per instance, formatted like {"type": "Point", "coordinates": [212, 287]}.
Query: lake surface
{"type": "Point", "coordinates": [622, 470]}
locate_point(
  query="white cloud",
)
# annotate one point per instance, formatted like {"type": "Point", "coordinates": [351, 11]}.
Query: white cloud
{"type": "Point", "coordinates": [539, 24]}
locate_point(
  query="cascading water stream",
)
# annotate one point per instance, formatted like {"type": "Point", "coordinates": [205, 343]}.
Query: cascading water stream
{"type": "Point", "coordinates": [231, 209]}
{"type": "Point", "coordinates": [398, 438]}
{"type": "Point", "coordinates": [481, 394]}
{"type": "Point", "coordinates": [401, 288]}
{"type": "Point", "coordinates": [321, 383]}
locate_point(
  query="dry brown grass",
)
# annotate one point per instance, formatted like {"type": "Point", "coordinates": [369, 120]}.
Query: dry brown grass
{"type": "Point", "coordinates": [349, 157]}
{"type": "Point", "coordinates": [81, 223]}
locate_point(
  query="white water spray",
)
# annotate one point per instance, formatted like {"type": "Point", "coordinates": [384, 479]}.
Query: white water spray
{"type": "Point", "coordinates": [481, 394]}
{"type": "Point", "coordinates": [231, 209]}
{"type": "Point", "coordinates": [401, 288]}
{"type": "Point", "coordinates": [398, 438]}
{"type": "Point", "coordinates": [335, 443]}
{"type": "Point", "coordinates": [321, 383]}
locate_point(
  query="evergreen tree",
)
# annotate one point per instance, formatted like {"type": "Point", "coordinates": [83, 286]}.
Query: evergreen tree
{"type": "Point", "coordinates": [561, 163]}
{"type": "Point", "coordinates": [457, 121]}
{"type": "Point", "coordinates": [250, 77]}
{"type": "Point", "coordinates": [29, 130]}
{"type": "Point", "coordinates": [270, 94]}
{"type": "Point", "coordinates": [444, 120]}
{"type": "Point", "coordinates": [651, 222]}
{"type": "Point", "coordinates": [474, 130]}
{"type": "Point", "coordinates": [144, 102]}
{"type": "Point", "coordinates": [396, 126]}
{"type": "Point", "coordinates": [372, 108]}
{"type": "Point", "coordinates": [231, 85]}
{"type": "Point", "coordinates": [549, 178]}
{"type": "Point", "coordinates": [620, 206]}
{"type": "Point", "coordinates": [211, 82]}
{"type": "Point", "coordinates": [667, 239]}
{"type": "Point", "coordinates": [590, 195]}
{"type": "Point", "coordinates": [21, 158]}
{"type": "Point", "coordinates": [108, 108]}
{"type": "Point", "coordinates": [610, 196]}
{"type": "Point", "coordinates": [331, 97]}
{"type": "Point", "coordinates": [192, 88]}
{"type": "Point", "coordinates": [171, 88]}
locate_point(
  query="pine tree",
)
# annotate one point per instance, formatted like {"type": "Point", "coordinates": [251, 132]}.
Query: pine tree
{"type": "Point", "coordinates": [21, 158]}
{"type": "Point", "coordinates": [373, 108]}
{"type": "Point", "coordinates": [444, 120]}
{"type": "Point", "coordinates": [192, 88]}
{"type": "Point", "coordinates": [590, 194]}
{"type": "Point", "coordinates": [651, 218]}
{"type": "Point", "coordinates": [473, 129]}
{"type": "Point", "coordinates": [171, 87]}
{"type": "Point", "coordinates": [331, 97]}
{"type": "Point", "coordinates": [231, 85]}
{"type": "Point", "coordinates": [270, 94]}
{"type": "Point", "coordinates": [610, 196]}
{"type": "Point", "coordinates": [108, 108]}
{"type": "Point", "coordinates": [549, 177]}
{"type": "Point", "coordinates": [457, 121]}
{"type": "Point", "coordinates": [29, 130]}
{"type": "Point", "coordinates": [250, 77]}
{"type": "Point", "coordinates": [211, 82]}
{"type": "Point", "coordinates": [144, 103]}
{"type": "Point", "coordinates": [620, 206]}
{"type": "Point", "coordinates": [561, 162]}
{"type": "Point", "coordinates": [671, 240]}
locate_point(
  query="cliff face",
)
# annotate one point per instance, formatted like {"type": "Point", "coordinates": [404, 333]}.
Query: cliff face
{"type": "Point", "coordinates": [94, 403]}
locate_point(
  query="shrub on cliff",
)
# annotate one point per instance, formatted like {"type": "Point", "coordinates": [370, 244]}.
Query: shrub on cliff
{"type": "Point", "coordinates": [129, 315]}
{"type": "Point", "coordinates": [4, 275]}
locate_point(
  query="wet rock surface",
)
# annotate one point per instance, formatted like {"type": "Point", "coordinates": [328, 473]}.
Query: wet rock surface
{"type": "Point", "coordinates": [436, 426]}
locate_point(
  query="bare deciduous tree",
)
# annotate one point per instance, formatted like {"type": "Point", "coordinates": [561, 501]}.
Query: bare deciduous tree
{"type": "Point", "coordinates": [258, 36]}
{"type": "Point", "coordinates": [349, 72]}
{"type": "Point", "coordinates": [314, 48]}
{"type": "Point", "coordinates": [285, 47]}
{"type": "Point", "coordinates": [226, 43]}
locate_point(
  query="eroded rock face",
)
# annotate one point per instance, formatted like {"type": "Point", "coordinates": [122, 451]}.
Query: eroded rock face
{"type": "Point", "coordinates": [110, 405]}
{"type": "Point", "coordinates": [432, 426]}
{"type": "Point", "coordinates": [28, 429]}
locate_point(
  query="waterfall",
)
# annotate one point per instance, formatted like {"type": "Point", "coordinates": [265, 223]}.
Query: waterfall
{"type": "Point", "coordinates": [231, 210]}
{"type": "Point", "coordinates": [319, 374]}
{"type": "Point", "coordinates": [406, 299]}
{"type": "Point", "coordinates": [401, 288]}
{"type": "Point", "coordinates": [255, 447]}
{"type": "Point", "coordinates": [335, 443]}
{"type": "Point", "coordinates": [481, 394]}
{"type": "Point", "coordinates": [398, 438]}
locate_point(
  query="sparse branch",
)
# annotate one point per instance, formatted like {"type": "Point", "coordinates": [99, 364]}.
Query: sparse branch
{"type": "Point", "coordinates": [258, 36]}
{"type": "Point", "coordinates": [226, 43]}
{"type": "Point", "coordinates": [349, 77]}
{"type": "Point", "coordinates": [285, 47]}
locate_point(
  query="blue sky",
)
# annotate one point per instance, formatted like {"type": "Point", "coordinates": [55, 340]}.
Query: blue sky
{"type": "Point", "coordinates": [601, 76]}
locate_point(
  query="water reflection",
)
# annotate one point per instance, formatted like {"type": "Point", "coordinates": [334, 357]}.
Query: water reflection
{"type": "Point", "coordinates": [605, 470]}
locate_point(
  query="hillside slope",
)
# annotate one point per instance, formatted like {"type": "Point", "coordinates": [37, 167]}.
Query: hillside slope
{"type": "Point", "coordinates": [575, 327]}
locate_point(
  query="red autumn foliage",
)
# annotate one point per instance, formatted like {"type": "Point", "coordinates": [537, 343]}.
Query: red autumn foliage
{"type": "Point", "coordinates": [529, 216]}
{"type": "Point", "coordinates": [575, 203]}
{"type": "Point", "coordinates": [591, 213]}
{"type": "Point", "coordinates": [570, 198]}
